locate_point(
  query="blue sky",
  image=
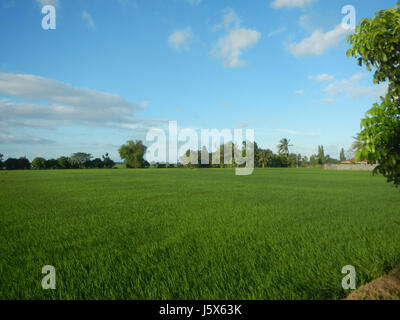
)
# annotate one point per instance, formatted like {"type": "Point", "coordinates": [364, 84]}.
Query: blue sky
{"type": "Point", "coordinates": [113, 69]}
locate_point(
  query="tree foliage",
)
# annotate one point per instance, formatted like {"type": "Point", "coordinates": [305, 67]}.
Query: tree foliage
{"type": "Point", "coordinates": [376, 44]}
{"type": "Point", "coordinates": [321, 155]}
{"type": "Point", "coordinates": [264, 157]}
{"type": "Point", "coordinates": [64, 163]}
{"type": "Point", "coordinates": [133, 153]}
{"type": "Point", "coordinates": [283, 147]}
{"type": "Point", "coordinates": [80, 159]}
{"type": "Point", "coordinates": [17, 164]}
{"type": "Point", "coordinates": [107, 162]}
{"type": "Point", "coordinates": [39, 163]}
{"type": "Point", "coordinates": [342, 155]}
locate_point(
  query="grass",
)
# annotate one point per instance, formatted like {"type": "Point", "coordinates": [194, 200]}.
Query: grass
{"type": "Point", "coordinates": [194, 234]}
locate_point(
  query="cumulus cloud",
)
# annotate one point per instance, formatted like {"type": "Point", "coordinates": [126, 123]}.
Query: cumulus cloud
{"type": "Point", "coordinates": [181, 39]}
{"type": "Point", "coordinates": [230, 47]}
{"type": "Point", "coordinates": [322, 77]}
{"type": "Point", "coordinates": [319, 42]}
{"type": "Point", "coordinates": [290, 3]}
{"type": "Point", "coordinates": [299, 92]}
{"type": "Point", "coordinates": [230, 20]}
{"type": "Point", "coordinates": [35, 101]}
{"type": "Point", "coordinates": [87, 17]}
{"type": "Point", "coordinates": [353, 88]}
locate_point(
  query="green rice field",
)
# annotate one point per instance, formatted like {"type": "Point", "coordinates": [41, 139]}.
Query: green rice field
{"type": "Point", "coordinates": [194, 234]}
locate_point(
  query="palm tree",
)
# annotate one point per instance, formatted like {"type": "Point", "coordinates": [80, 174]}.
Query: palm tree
{"type": "Point", "coordinates": [283, 147]}
{"type": "Point", "coordinates": [357, 144]}
{"type": "Point", "coordinates": [263, 158]}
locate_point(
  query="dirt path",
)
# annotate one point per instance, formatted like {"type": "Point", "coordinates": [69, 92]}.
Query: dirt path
{"type": "Point", "coordinates": [383, 288]}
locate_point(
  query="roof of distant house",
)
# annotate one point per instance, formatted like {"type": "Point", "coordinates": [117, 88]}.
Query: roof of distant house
{"type": "Point", "coordinates": [353, 160]}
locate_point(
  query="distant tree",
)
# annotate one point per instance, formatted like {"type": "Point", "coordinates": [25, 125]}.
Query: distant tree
{"type": "Point", "coordinates": [24, 163]}
{"type": "Point", "coordinates": [190, 159]}
{"type": "Point", "coordinates": [283, 147]}
{"type": "Point", "coordinates": [263, 158]}
{"type": "Point", "coordinates": [204, 158]}
{"type": "Point", "coordinates": [292, 160]}
{"type": "Point", "coordinates": [304, 161]}
{"type": "Point", "coordinates": [64, 163]}
{"type": "Point", "coordinates": [17, 164]}
{"type": "Point", "coordinates": [108, 163]}
{"type": "Point", "coordinates": [256, 153]}
{"type": "Point", "coordinates": [52, 164]}
{"type": "Point", "coordinates": [313, 160]}
{"type": "Point", "coordinates": [161, 165]}
{"type": "Point", "coordinates": [97, 163]}
{"type": "Point", "coordinates": [342, 155]}
{"type": "Point", "coordinates": [321, 155]}
{"type": "Point", "coordinates": [330, 160]}
{"type": "Point", "coordinates": [1, 161]}
{"type": "Point", "coordinates": [80, 159]}
{"type": "Point", "coordinates": [350, 153]}
{"type": "Point", "coordinates": [11, 164]}
{"type": "Point", "coordinates": [278, 161]}
{"type": "Point", "coordinates": [133, 153]}
{"type": "Point", "coordinates": [39, 163]}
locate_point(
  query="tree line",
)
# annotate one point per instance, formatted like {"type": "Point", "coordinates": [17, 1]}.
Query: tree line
{"type": "Point", "coordinates": [133, 154]}
{"type": "Point", "coordinates": [79, 160]}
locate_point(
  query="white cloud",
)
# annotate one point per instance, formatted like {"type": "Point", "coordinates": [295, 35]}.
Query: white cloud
{"type": "Point", "coordinates": [299, 92]}
{"type": "Point", "coordinates": [181, 39]}
{"type": "Point", "coordinates": [244, 124]}
{"type": "Point", "coordinates": [322, 77]}
{"type": "Point", "coordinates": [54, 3]}
{"type": "Point", "coordinates": [89, 20]}
{"type": "Point", "coordinates": [6, 138]}
{"type": "Point", "coordinates": [276, 31]}
{"type": "Point", "coordinates": [144, 104]}
{"type": "Point", "coordinates": [352, 88]}
{"type": "Point", "coordinates": [358, 76]}
{"type": "Point", "coordinates": [329, 100]}
{"type": "Point", "coordinates": [230, 20]}
{"type": "Point", "coordinates": [304, 21]}
{"type": "Point", "coordinates": [40, 102]}
{"type": "Point", "coordinates": [290, 3]}
{"type": "Point", "coordinates": [230, 47]}
{"type": "Point", "coordinates": [318, 42]}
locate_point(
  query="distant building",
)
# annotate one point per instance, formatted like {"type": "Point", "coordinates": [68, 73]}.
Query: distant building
{"type": "Point", "coordinates": [351, 165]}
{"type": "Point", "coordinates": [353, 161]}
